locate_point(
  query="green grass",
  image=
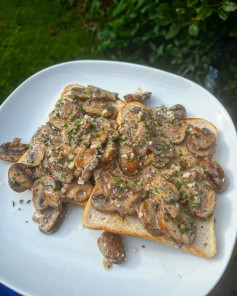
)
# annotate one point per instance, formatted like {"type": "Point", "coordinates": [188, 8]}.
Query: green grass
{"type": "Point", "coordinates": [36, 34]}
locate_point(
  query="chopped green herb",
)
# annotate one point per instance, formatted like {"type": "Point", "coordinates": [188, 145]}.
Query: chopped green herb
{"type": "Point", "coordinates": [21, 201]}
{"type": "Point", "coordinates": [207, 186]}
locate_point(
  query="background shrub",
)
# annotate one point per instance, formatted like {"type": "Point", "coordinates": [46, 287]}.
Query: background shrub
{"type": "Point", "coordinates": [193, 38]}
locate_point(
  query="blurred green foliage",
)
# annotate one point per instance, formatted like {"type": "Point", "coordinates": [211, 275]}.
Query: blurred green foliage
{"type": "Point", "coordinates": [183, 37]}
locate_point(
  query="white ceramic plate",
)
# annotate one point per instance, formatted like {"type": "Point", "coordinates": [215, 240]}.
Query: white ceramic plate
{"type": "Point", "coordinates": [69, 262]}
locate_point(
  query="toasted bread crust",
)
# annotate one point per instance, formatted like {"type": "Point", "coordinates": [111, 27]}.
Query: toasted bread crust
{"type": "Point", "coordinates": [131, 226]}
{"type": "Point", "coordinates": [79, 203]}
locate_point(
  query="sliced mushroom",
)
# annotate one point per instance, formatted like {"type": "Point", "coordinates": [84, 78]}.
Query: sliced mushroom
{"type": "Point", "coordinates": [111, 246]}
{"type": "Point", "coordinates": [128, 161]}
{"type": "Point", "coordinates": [99, 93]}
{"type": "Point", "coordinates": [99, 137]}
{"type": "Point", "coordinates": [102, 203]}
{"type": "Point", "coordinates": [108, 155]}
{"type": "Point", "coordinates": [201, 139]}
{"type": "Point", "coordinates": [46, 194]}
{"type": "Point", "coordinates": [147, 215]}
{"type": "Point", "coordinates": [185, 159]}
{"type": "Point", "coordinates": [86, 161]}
{"type": "Point", "coordinates": [12, 151]}
{"type": "Point", "coordinates": [77, 192]}
{"type": "Point", "coordinates": [50, 219]}
{"type": "Point", "coordinates": [20, 177]}
{"type": "Point", "coordinates": [136, 130]}
{"type": "Point", "coordinates": [179, 111]}
{"type": "Point", "coordinates": [162, 190]}
{"type": "Point", "coordinates": [163, 114]}
{"type": "Point", "coordinates": [201, 153]}
{"type": "Point", "coordinates": [202, 201]}
{"type": "Point", "coordinates": [81, 93]}
{"type": "Point", "coordinates": [137, 97]}
{"type": "Point", "coordinates": [100, 108]}
{"type": "Point", "coordinates": [61, 172]}
{"type": "Point", "coordinates": [124, 195]}
{"type": "Point", "coordinates": [172, 208]}
{"type": "Point", "coordinates": [174, 132]}
{"type": "Point", "coordinates": [181, 229]}
{"type": "Point", "coordinates": [41, 135]}
{"type": "Point", "coordinates": [215, 175]}
{"type": "Point", "coordinates": [34, 155]}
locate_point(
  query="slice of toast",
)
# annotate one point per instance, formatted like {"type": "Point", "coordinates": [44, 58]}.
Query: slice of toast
{"type": "Point", "coordinates": [204, 244]}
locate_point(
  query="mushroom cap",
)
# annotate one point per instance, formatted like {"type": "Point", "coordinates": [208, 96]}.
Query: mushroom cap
{"type": "Point", "coordinates": [215, 175]}
{"type": "Point", "coordinates": [12, 151]}
{"type": "Point", "coordinates": [100, 202]}
{"type": "Point", "coordinates": [179, 111]}
{"type": "Point", "coordinates": [78, 192]}
{"type": "Point", "coordinates": [111, 246]}
{"type": "Point", "coordinates": [33, 156]}
{"type": "Point", "coordinates": [202, 202]}
{"type": "Point", "coordinates": [46, 194]}
{"type": "Point", "coordinates": [20, 177]}
{"type": "Point", "coordinates": [147, 214]}
{"type": "Point", "coordinates": [181, 229]}
{"type": "Point", "coordinates": [50, 219]}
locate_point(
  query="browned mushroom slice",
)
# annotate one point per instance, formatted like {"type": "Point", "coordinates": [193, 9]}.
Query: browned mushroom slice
{"type": "Point", "coordinates": [86, 161]}
{"type": "Point", "coordinates": [65, 109]}
{"type": "Point", "coordinates": [50, 219]}
{"type": "Point", "coordinates": [174, 132]}
{"type": "Point", "coordinates": [202, 202]}
{"type": "Point", "coordinates": [163, 114]}
{"type": "Point", "coordinates": [20, 177]}
{"type": "Point", "coordinates": [100, 109]}
{"type": "Point", "coordinates": [108, 155]}
{"type": "Point", "coordinates": [201, 153]}
{"type": "Point", "coordinates": [215, 175]}
{"type": "Point", "coordinates": [49, 135]}
{"type": "Point", "coordinates": [46, 194]}
{"type": "Point", "coordinates": [80, 93]}
{"type": "Point", "coordinates": [182, 229]}
{"type": "Point", "coordinates": [201, 139]}
{"type": "Point", "coordinates": [123, 194]}
{"type": "Point", "coordinates": [41, 135]}
{"type": "Point", "coordinates": [12, 151]}
{"type": "Point", "coordinates": [128, 160]}
{"type": "Point", "coordinates": [34, 155]}
{"type": "Point", "coordinates": [99, 137]}
{"type": "Point", "coordinates": [172, 208]}
{"type": "Point", "coordinates": [178, 110]}
{"type": "Point", "coordinates": [162, 190]}
{"type": "Point", "coordinates": [147, 215]}
{"type": "Point", "coordinates": [60, 172]}
{"type": "Point", "coordinates": [111, 246]}
{"type": "Point", "coordinates": [99, 93]}
{"type": "Point", "coordinates": [102, 203]}
{"type": "Point", "coordinates": [77, 192]}
{"type": "Point", "coordinates": [185, 159]}
{"type": "Point", "coordinates": [138, 97]}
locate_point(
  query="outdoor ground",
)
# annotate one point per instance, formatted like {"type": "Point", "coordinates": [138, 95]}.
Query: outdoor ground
{"type": "Point", "coordinates": [35, 35]}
